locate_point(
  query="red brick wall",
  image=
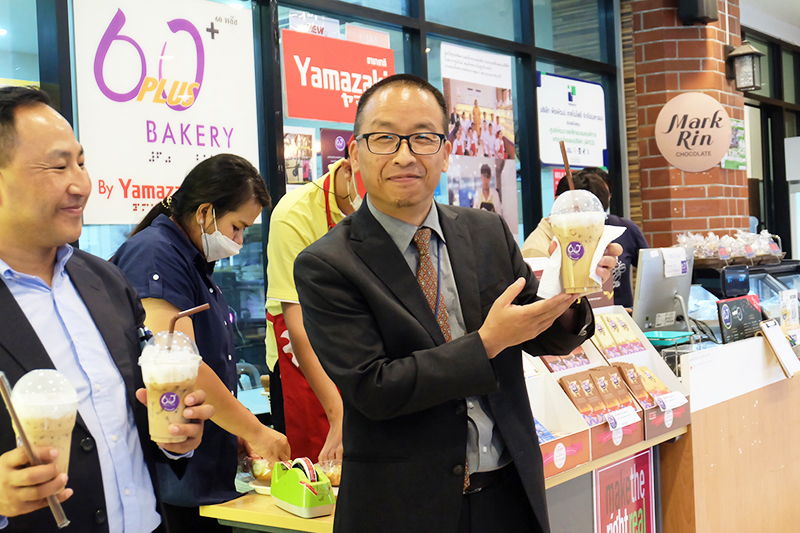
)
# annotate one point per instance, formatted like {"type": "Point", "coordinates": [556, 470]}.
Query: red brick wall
{"type": "Point", "coordinates": [672, 59]}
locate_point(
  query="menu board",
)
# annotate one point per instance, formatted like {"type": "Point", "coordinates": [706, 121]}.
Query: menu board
{"type": "Point", "coordinates": [739, 317]}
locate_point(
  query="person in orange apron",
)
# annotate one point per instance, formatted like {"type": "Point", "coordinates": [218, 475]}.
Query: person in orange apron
{"type": "Point", "coordinates": [312, 404]}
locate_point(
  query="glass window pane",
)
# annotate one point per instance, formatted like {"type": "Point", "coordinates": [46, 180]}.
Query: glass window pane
{"type": "Point", "coordinates": [570, 26]}
{"type": "Point", "coordinates": [19, 46]}
{"type": "Point", "coordinates": [495, 18]}
{"type": "Point", "coordinates": [482, 129]}
{"type": "Point", "coordinates": [791, 124]}
{"type": "Point", "coordinates": [399, 7]}
{"type": "Point", "coordinates": [789, 78]}
{"type": "Point", "coordinates": [766, 68]}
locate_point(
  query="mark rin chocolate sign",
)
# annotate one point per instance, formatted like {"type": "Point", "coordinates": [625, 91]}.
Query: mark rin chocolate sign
{"type": "Point", "coordinates": [693, 132]}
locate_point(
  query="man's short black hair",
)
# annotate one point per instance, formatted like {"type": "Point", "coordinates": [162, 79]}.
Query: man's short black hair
{"type": "Point", "coordinates": [12, 98]}
{"type": "Point", "coordinates": [486, 169]}
{"type": "Point", "coordinates": [588, 182]}
{"type": "Point", "coordinates": [597, 171]}
{"type": "Point", "coordinates": [401, 79]}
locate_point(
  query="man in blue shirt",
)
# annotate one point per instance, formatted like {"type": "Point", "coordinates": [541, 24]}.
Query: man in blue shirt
{"type": "Point", "coordinates": [63, 308]}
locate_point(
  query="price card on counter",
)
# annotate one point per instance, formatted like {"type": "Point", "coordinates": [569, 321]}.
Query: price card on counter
{"type": "Point", "coordinates": [671, 400]}
{"type": "Point", "coordinates": [622, 417]}
{"type": "Point", "coordinates": [675, 263]}
{"type": "Point", "coordinates": [789, 311]}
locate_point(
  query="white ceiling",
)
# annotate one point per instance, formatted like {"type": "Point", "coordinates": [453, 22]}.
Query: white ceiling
{"type": "Point", "coordinates": [787, 11]}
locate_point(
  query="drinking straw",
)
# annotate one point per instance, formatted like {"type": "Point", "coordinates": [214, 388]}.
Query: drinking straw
{"type": "Point", "coordinates": [566, 165]}
{"type": "Point", "coordinates": [52, 501]}
{"type": "Point", "coordinates": [180, 315]}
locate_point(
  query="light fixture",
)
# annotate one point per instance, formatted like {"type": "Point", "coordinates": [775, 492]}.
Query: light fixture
{"type": "Point", "coordinates": [743, 64]}
{"type": "Point", "coordinates": [3, 32]}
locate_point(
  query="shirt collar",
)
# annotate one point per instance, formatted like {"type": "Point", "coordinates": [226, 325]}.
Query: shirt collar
{"type": "Point", "coordinates": [63, 253]}
{"type": "Point", "coordinates": [402, 233]}
{"type": "Point", "coordinates": [181, 241]}
{"type": "Point", "coordinates": [331, 189]}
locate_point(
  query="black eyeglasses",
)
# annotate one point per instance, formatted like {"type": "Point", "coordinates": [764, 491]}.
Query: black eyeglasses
{"type": "Point", "coordinates": [384, 143]}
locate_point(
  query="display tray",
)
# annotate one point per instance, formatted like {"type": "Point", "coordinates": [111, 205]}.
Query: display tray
{"type": "Point", "coordinates": [603, 441]}
{"type": "Point", "coordinates": [552, 408]}
{"type": "Point", "coordinates": [716, 262]}
{"type": "Point", "coordinates": [655, 420]}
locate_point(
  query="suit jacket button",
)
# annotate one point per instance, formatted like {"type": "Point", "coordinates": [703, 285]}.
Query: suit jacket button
{"type": "Point", "coordinates": [458, 470]}
{"type": "Point", "coordinates": [100, 517]}
{"type": "Point", "coordinates": [87, 444]}
{"type": "Point", "coordinates": [461, 409]}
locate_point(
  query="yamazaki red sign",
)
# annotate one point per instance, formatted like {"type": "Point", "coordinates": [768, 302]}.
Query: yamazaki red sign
{"type": "Point", "coordinates": [325, 77]}
{"type": "Point", "coordinates": [623, 496]}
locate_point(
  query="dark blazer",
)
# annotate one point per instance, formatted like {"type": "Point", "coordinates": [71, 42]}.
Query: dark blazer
{"type": "Point", "coordinates": [403, 387]}
{"type": "Point", "coordinates": [118, 313]}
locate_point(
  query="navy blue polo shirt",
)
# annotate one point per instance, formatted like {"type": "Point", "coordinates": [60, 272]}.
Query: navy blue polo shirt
{"type": "Point", "coordinates": [161, 262]}
{"type": "Point", "coordinates": [631, 241]}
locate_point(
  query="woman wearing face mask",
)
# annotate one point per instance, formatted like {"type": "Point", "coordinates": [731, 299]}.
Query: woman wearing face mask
{"type": "Point", "coordinates": [169, 258]}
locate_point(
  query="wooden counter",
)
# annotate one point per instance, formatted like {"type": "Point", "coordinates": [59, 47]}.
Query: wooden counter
{"type": "Point", "coordinates": [257, 512]}
{"type": "Point", "coordinates": [738, 468]}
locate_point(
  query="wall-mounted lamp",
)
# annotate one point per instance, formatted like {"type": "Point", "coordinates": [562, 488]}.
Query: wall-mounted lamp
{"type": "Point", "coordinates": [743, 64]}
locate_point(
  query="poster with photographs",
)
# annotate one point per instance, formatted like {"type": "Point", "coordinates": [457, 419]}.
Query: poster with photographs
{"type": "Point", "coordinates": [477, 90]}
{"type": "Point", "coordinates": [298, 152]}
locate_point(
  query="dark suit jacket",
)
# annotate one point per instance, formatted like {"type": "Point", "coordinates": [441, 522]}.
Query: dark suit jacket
{"type": "Point", "coordinates": [118, 313]}
{"type": "Point", "coordinates": [403, 387]}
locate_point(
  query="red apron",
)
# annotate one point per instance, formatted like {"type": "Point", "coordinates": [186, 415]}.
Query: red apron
{"type": "Point", "coordinates": [306, 423]}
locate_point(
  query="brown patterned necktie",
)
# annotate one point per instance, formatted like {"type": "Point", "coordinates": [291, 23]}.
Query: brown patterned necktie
{"type": "Point", "coordinates": [428, 281]}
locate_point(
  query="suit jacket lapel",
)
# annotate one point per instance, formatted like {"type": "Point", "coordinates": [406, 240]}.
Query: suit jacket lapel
{"type": "Point", "coordinates": [20, 340]}
{"type": "Point", "coordinates": [462, 260]}
{"type": "Point", "coordinates": [90, 288]}
{"type": "Point", "coordinates": [374, 246]}
{"type": "Point", "coordinates": [18, 337]}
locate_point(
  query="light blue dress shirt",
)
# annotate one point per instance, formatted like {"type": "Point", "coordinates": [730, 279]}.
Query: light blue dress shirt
{"type": "Point", "coordinates": [486, 450]}
{"type": "Point", "coordinates": [73, 342]}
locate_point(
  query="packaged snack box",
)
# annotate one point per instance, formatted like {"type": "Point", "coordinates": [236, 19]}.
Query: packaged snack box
{"type": "Point", "coordinates": [603, 339]}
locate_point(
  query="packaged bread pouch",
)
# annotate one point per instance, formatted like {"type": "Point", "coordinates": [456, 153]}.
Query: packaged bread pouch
{"type": "Point", "coordinates": [598, 408]}
{"type": "Point", "coordinates": [602, 382]}
{"type": "Point", "coordinates": [651, 382]}
{"type": "Point", "coordinates": [603, 339]}
{"type": "Point", "coordinates": [577, 396]}
{"type": "Point", "coordinates": [554, 363]}
{"type": "Point", "coordinates": [629, 333]}
{"type": "Point", "coordinates": [632, 378]}
{"type": "Point", "coordinates": [618, 388]}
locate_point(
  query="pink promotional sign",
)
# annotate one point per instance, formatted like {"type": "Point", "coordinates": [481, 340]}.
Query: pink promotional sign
{"type": "Point", "coordinates": [624, 500]}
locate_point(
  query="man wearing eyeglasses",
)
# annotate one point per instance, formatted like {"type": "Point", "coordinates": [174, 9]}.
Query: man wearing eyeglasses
{"type": "Point", "coordinates": [418, 312]}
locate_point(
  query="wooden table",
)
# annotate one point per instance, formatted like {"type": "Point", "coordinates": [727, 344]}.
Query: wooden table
{"type": "Point", "coordinates": [257, 512]}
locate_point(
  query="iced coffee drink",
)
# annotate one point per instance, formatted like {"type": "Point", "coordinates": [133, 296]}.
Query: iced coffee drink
{"type": "Point", "coordinates": [47, 403]}
{"type": "Point", "coordinates": [578, 221]}
{"type": "Point", "coordinates": [169, 368]}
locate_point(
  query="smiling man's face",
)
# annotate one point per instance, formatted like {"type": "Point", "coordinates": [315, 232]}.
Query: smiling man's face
{"type": "Point", "coordinates": [44, 188]}
{"type": "Point", "coordinates": [402, 184]}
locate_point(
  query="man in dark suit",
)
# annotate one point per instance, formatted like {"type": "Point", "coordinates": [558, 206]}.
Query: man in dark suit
{"type": "Point", "coordinates": [438, 430]}
{"type": "Point", "coordinates": [66, 309]}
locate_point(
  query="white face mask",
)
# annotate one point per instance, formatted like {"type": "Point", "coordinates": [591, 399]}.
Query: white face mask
{"type": "Point", "coordinates": [217, 246]}
{"type": "Point", "coordinates": [355, 204]}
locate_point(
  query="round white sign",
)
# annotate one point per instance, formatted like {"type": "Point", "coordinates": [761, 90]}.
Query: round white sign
{"type": "Point", "coordinates": [693, 132]}
{"type": "Point", "coordinates": [560, 455]}
{"type": "Point", "coordinates": [616, 436]}
{"type": "Point", "coordinates": [668, 418]}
